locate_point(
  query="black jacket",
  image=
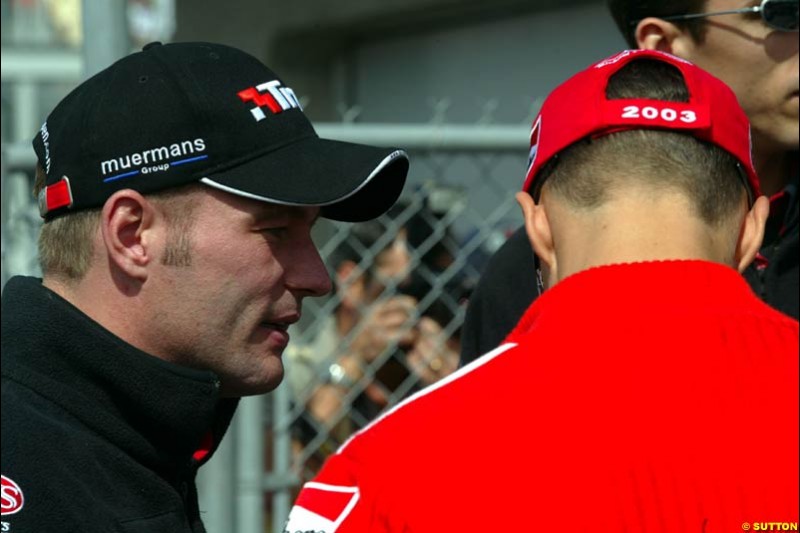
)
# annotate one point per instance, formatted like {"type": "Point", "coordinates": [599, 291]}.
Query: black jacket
{"type": "Point", "coordinates": [97, 435]}
{"type": "Point", "coordinates": [508, 285]}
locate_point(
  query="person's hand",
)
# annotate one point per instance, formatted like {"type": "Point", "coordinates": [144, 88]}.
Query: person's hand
{"type": "Point", "coordinates": [431, 358]}
{"type": "Point", "coordinates": [385, 323]}
{"type": "Point", "coordinates": [326, 402]}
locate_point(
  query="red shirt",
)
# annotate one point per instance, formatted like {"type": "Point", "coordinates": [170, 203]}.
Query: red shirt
{"type": "Point", "coordinates": [658, 397]}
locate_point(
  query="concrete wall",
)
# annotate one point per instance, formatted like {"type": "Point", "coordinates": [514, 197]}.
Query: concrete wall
{"type": "Point", "coordinates": [341, 52]}
{"type": "Point", "coordinates": [512, 61]}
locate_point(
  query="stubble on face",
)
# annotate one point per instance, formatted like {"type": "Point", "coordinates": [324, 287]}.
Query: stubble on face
{"type": "Point", "coordinates": [178, 209]}
{"type": "Point", "coordinates": [251, 265]}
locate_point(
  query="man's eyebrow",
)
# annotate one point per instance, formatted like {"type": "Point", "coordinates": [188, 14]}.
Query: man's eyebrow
{"type": "Point", "coordinates": [269, 212]}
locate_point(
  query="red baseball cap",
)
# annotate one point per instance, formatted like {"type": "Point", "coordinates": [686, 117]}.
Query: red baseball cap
{"type": "Point", "coordinates": [578, 108]}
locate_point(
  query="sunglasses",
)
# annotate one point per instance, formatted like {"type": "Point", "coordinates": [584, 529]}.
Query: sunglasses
{"type": "Point", "coordinates": [778, 14]}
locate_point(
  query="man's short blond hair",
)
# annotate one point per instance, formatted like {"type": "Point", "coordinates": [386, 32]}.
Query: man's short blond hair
{"type": "Point", "coordinates": [66, 243]}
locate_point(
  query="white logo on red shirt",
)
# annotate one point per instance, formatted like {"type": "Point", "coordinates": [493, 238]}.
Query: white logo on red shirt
{"type": "Point", "coordinates": [12, 498]}
{"type": "Point", "coordinates": [321, 507]}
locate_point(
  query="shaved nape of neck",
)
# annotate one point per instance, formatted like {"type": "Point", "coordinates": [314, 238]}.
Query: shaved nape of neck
{"type": "Point", "coordinates": [634, 228]}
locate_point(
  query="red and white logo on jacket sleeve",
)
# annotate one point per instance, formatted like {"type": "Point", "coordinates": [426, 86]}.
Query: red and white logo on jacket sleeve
{"type": "Point", "coordinates": [12, 499]}
{"type": "Point", "coordinates": [321, 508]}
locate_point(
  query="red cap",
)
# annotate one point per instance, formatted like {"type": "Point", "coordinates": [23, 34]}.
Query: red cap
{"type": "Point", "coordinates": [579, 108]}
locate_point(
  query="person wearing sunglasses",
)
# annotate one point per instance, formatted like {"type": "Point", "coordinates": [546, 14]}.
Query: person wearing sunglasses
{"type": "Point", "coordinates": [753, 47]}
{"type": "Point", "coordinates": [778, 14]}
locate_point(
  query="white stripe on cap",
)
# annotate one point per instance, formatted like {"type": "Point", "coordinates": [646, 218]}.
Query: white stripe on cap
{"type": "Point", "coordinates": [388, 159]}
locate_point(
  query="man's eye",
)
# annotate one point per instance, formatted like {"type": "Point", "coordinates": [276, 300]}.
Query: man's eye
{"type": "Point", "coordinates": [279, 232]}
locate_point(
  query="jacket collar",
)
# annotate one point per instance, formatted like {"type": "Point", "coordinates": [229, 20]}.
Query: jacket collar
{"type": "Point", "coordinates": [632, 288]}
{"type": "Point", "coordinates": [155, 411]}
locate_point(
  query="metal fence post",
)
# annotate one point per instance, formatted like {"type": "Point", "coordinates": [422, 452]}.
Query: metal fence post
{"type": "Point", "coordinates": [105, 34]}
{"type": "Point", "coordinates": [216, 490]}
{"type": "Point", "coordinates": [250, 465]}
{"type": "Point", "coordinates": [282, 457]}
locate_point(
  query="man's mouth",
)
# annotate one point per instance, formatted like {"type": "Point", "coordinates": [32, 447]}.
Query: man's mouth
{"type": "Point", "coordinates": [281, 323]}
{"type": "Point", "coordinates": [276, 325]}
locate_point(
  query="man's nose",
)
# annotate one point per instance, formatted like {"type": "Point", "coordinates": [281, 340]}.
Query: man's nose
{"type": "Point", "coordinates": [307, 273]}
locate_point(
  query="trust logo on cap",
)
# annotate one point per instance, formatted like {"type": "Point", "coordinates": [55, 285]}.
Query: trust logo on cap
{"type": "Point", "coordinates": [270, 95]}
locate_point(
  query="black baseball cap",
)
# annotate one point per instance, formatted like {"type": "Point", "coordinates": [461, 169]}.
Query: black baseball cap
{"type": "Point", "coordinates": [177, 113]}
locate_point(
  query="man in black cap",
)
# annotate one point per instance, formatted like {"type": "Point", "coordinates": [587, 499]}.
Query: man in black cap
{"type": "Point", "coordinates": [178, 189]}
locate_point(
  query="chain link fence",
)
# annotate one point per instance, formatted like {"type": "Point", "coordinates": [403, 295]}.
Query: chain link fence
{"type": "Point", "coordinates": [391, 327]}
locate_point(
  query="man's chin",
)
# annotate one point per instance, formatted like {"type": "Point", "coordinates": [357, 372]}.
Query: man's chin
{"type": "Point", "coordinates": [779, 140]}
{"type": "Point", "coordinates": [250, 387]}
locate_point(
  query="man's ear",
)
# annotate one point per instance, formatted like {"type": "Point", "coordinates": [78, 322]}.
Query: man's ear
{"type": "Point", "coordinates": [654, 33]}
{"type": "Point", "coordinates": [126, 226]}
{"type": "Point", "coordinates": [751, 235]}
{"type": "Point", "coordinates": [537, 226]}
